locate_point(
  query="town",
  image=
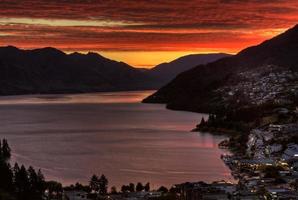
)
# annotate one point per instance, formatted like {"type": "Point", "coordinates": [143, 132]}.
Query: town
{"type": "Point", "coordinates": [261, 85]}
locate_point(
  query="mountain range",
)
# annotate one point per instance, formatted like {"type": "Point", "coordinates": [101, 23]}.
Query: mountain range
{"type": "Point", "coordinates": [49, 70]}
{"type": "Point", "coordinates": [256, 75]}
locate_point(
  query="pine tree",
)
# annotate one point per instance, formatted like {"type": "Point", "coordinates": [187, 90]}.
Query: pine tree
{"type": "Point", "coordinates": [203, 122]}
{"type": "Point", "coordinates": [40, 182]}
{"type": "Point", "coordinates": [94, 183]}
{"type": "Point", "coordinates": [6, 151]}
{"type": "Point", "coordinates": [103, 185]}
{"type": "Point", "coordinates": [33, 184]}
{"type": "Point", "coordinates": [1, 156]}
{"type": "Point", "coordinates": [22, 184]}
{"type": "Point", "coordinates": [6, 177]}
{"type": "Point", "coordinates": [17, 181]}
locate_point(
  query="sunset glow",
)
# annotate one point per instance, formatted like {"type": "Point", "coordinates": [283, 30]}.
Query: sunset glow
{"type": "Point", "coordinates": [144, 33]}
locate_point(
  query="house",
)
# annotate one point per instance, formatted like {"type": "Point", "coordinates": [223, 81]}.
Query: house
{"type": "Point", "coordinates": [275, 127]}
{"type": "Point", "coordinates": [275, 148]}
{"type": "Point", "coordinates": [255, 163]}
{"type": "Point", "coordinates": [291, 153]}
{"type": "Point", "coordinates": [224, 186]}
{"type": "Point", "coordinates": [281, 193]}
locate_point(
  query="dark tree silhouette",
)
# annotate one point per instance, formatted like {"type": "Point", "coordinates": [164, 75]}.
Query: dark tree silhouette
{"type": "Point", "coordinates": [125, 188]}
{"type": "Point", "coordinates": [147, 187]}
{"type": "Point", "coordinates": [94, 183]}
{"type": "Point", "coordinates": [163, 189]}
{"type": "Point", "coordinates": [132, 187]}
{"type": "Point", "coordinates": [22, 183]}
{"type": "Point", "coordinates": [5, 150]}
{"type": "Point", "coordinates": [103, 185]}
{"type": "Point", "coordinates": [6, 177]}
{"type": "Point", "coordinates": [18, 183]}
{"type": "Point", "coordinates": [55, 189]}
{"type": "Point", "coordinates": [114, 190]}
{"type": "Point", "coordinates": [139, 187]}
{"type": "Point", "coordinates": [203, 122]}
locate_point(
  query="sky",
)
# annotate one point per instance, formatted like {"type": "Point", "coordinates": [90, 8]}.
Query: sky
{"type": "Point", "coordinates": [144, 33]}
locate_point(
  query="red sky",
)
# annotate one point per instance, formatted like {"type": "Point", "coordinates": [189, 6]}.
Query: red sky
{"type": "Point", "coordinates": [144, 33]}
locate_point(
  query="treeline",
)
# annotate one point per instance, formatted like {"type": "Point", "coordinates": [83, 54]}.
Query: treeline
{"type": "Point", "coordinates": [98, 187]}
{"type": "Point", "coordinates": [19, 183]}
{"type": "Point", "coordinates": [236, 118]}
{"type": "Point", "coordinates": [237, 130]}
{"type": "Point", "coordinates": [221, 124]}
{"type": "Point", "coordinates": [135, 188]}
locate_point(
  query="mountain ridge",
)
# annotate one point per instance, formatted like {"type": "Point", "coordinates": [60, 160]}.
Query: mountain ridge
{"type": "Point", "coordinates": [49, 70]}
{"type": "Point", "coordinates": [166, 71]}
{"type": "Point", "coordinates": [196, 89]}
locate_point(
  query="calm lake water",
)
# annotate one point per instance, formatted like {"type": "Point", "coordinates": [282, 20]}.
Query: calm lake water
{"type": "Point", "coordinates": [70, 137]}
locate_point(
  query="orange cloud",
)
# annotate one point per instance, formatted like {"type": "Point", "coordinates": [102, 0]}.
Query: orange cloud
{"type": "Point", "coordinates": [125, 26]}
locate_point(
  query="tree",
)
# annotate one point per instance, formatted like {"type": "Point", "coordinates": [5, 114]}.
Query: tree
{"type": "Point", "coordinates": [147, 187]}
{"type": "Point", "coordinates": [163, 189]}
{"type": "Point", "coordinates": [41, 184]}
{"type": "Point", "coordinates": [18, 182]}
{"type": "Point", "coordinates": [103, 185]}
{"type": "Point", "coordinates": [22, 183]}
{"type": "Point", "coordinates": [6, 151]}
{"type": "Point", "coordinates": [139, 187]}
{"type": "Point", "coordinates": [36, 183]}
{"type": "Point", "coordinates": [1, 156]}
{"type": "Point", "coordinates": [55, 189]}
{"type": "Point", "coordinates": [94, 183]}
{"type": "Point", "coordinates": [6, 177]}
{"type": "Point", "coordinates": [124, 188]}
{"type": "Point", "coordinates": [32, 181]}
{"type": "Point", "coordinates": [132, 187]}
{"type": "Point", "coordinates": [114, 190]}
{"type": "Point", "coordinates": [203, 122]}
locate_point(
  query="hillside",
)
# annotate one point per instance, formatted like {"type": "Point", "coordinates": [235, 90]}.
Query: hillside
{"type": "Point", "coordinates": [257, 75]}
{"type": "Point", "coordinates": [49, 70]}
{"type": "Point", "coordinates": [165, 72]}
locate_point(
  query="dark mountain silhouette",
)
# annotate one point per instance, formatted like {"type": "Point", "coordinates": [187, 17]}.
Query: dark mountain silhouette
{"type": "Point", "coordinates": [49, 70]}
{"type": "Point", "coordinates": [165, 72]}
{"type": "Point", "coordinates": [195, 89]}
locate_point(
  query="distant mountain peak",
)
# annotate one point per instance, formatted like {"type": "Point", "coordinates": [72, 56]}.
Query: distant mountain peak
{"type": "Point", "coordinates": [96, 55]}
{"type": "Point", "coordinates": [49, 50]}
{"type": "Point", "coordinates": [9, 48]}
{"type": "Point", "coordinates": [166, 71]}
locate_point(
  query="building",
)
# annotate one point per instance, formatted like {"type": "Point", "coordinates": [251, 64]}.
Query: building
{"type": "Point", "coordinates": [291, 153]}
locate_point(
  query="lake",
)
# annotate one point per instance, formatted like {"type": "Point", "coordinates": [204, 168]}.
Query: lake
{"type": "Point", "coordinates": [71, 137]}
